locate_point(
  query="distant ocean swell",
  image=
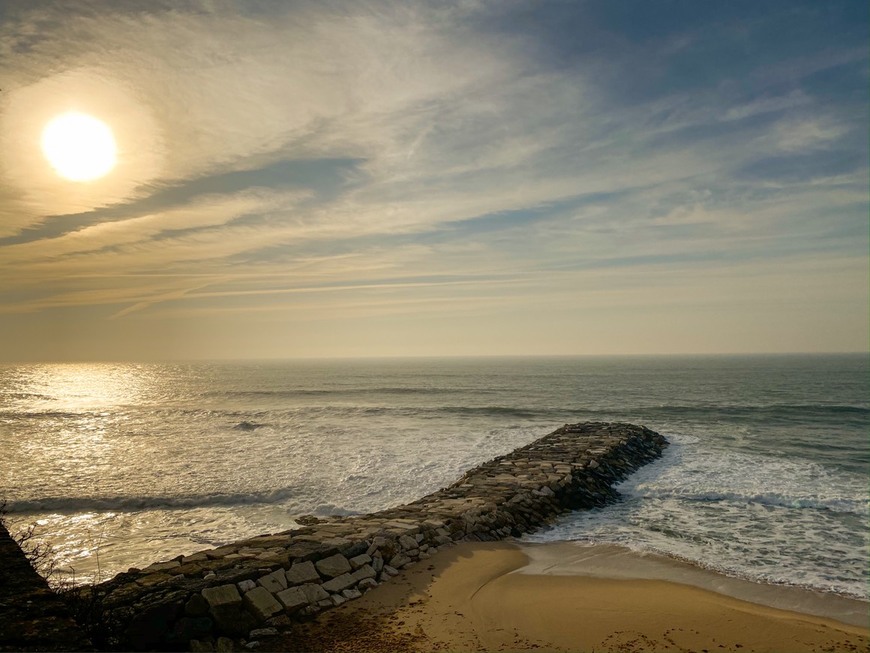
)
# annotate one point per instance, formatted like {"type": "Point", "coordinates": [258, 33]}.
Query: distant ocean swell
{"type": "Point", "coordinates": [123, 504]}
{"type": "Point", "coordinates": [336, 411]}
{"type": "Point", "coordinates": [798, 413]}
{"type": "Point", "coordinates": [350, 392]}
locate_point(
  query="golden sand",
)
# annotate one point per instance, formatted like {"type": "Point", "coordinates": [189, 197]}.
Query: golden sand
{"type": "Point", "coordinates": [468, 599]}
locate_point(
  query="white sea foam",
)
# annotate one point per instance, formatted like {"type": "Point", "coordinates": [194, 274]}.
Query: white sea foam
{"type": "Point", "coordinates": [701, 472]}
{"type": "Point", "coordinates": [762, 518]}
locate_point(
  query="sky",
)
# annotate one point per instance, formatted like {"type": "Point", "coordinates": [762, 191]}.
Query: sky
{"type": "Point", "coordinates": [342, 179]}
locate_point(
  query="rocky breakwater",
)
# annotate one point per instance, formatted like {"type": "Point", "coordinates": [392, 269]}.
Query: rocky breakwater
{"type": "Point", "coordinates": [236, 595]}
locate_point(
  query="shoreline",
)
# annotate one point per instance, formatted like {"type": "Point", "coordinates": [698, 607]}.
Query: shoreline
{"type": "Point", "coordinates": [512, 596]}
{"type": "Point", "coordinates": [614, 562]}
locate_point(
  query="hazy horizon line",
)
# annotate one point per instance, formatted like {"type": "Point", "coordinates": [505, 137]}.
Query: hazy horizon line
{"type": "Point", "coordinates": [441, 357]}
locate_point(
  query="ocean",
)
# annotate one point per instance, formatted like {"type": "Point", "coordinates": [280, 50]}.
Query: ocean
{"type": "Point", "coordinates": [121, 465]}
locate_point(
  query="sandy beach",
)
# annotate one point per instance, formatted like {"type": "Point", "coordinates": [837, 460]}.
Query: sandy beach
{"type": "Point", "coordinates": [506, 597]}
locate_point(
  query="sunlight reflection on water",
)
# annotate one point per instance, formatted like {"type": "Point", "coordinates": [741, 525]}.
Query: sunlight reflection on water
{"type": "Point", "coordinates": [75, 387]}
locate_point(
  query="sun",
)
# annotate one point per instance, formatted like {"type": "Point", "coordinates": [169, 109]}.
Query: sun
{"type": "Point", "coordinates": [79, 147]}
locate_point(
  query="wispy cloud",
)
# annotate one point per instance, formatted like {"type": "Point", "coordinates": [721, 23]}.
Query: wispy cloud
{"type": "Point", "coordinates": [341, 149]}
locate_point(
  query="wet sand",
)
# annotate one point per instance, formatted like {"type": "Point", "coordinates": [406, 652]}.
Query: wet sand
{"type": "Point", "coordinates": [503, 597]}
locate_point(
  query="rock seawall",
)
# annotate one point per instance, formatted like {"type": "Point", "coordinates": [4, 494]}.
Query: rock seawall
{"type": "Point", "coordinates": [235, 594]}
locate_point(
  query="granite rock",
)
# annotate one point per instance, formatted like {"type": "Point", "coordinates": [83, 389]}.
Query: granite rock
{"type": "Point", "coordinates": [222, 595]}
{"type": "Point", "coordinates": [261, 603]}
{"type": "Point", "coordinates": [302, 572]}
{"type": "Point", "coordinates": [339, 583]}
{"type": "Point", "coordinates": [274, 582]}
{"type": "Point", "coordinates": [333, 566]}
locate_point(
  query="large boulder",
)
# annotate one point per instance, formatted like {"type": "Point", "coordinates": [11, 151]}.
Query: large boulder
{"type": "Point", "coordinates": [298, 597]}
{"type": "Point", "coordinates": [302, 572]}
{"type": "Point", "coordinates": [274, 582]}
{"type": "Point", "coordinates": [261, 603]}
{"type": "Point", "coordinates": [334, 565]}
{"type": "Point", "coordinates": [339, 583]}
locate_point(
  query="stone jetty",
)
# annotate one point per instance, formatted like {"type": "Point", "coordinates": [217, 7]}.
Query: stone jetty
{"type": "Point", "coordinates": [235, 595]}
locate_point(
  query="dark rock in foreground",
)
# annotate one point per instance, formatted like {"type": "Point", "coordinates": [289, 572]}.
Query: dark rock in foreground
{"type": "Point", "coordinates": [32, 617]}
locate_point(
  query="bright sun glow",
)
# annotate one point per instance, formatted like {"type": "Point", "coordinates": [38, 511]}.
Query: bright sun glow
{"type": "Point", "coordinates": [79, 147]}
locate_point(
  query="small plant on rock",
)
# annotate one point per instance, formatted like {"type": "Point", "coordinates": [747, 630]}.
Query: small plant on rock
{"type": "Point", "coordinates": [39, 554]}
{"type": "Point", "coordinates": [85, 601]}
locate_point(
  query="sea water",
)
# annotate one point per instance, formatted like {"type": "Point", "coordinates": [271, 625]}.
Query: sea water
{"type": "Point", "coordinates": [121, 465]}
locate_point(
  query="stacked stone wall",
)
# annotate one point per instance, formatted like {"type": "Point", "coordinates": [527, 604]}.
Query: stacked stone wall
{"type": "Point", "coordinates": [235, 595]}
